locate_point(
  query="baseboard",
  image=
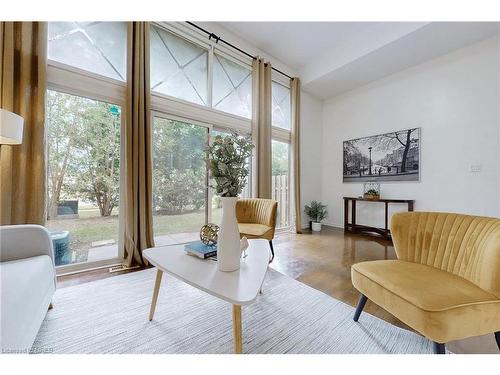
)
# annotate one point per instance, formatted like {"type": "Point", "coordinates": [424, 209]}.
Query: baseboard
{"type": "Point", "coordinates": [334, 227]}
{"type": "Point", "coordinates": [327, 226]}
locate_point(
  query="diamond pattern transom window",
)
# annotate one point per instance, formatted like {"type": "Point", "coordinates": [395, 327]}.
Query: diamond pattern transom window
{"type": "Point", "coordinates": [281, 106]}
{"type": "Point", "coordinates": [232, 88]}
{"type": "Point", "coordinates": [97, 47]}
{"type": "Point", "coordinates": [178, 67]}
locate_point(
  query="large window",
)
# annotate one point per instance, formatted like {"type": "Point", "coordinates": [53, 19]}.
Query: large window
{"type": "Point", "coordinates": [281, 120]}
{"type": "Point", "coordinates": [179, 180]}
{"type": "Point", "coordinates": [281, 181]}
{"type": "Point", "coordinates": [200, 72]}
{"type": "Point", "coordinates": [197, 71]}
{"type": "Point", "coordinates": [83, 154]}
{"type": "Point", "coordinates": [97, 47]}
{"type": "Point", "coordinates": [178, 67]}
{"type": "Point", "coordinates": [199, 89]}
{"type": "Point", "coordinates": [232, 87]}
{"type": "Point", "coordinates": [87, 70]}
{"type": "Point", "coordinates": [281, 106]}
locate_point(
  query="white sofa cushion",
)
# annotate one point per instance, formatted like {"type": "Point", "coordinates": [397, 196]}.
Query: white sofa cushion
{"type": "Point", "coordinates": [27, 286]}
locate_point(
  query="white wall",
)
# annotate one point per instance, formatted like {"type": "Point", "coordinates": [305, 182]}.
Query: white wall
{"type": "Point", "coordinates": [455, 100]}
{"type": "Point", "coordinates": [310, 151]}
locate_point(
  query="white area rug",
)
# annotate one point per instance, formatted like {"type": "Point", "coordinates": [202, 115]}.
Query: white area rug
{"type": "Point", "coordinates": [111, 316]}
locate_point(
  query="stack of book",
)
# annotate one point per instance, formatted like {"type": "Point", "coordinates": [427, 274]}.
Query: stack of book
{"type": "Point", "coordinates": [200, 250]}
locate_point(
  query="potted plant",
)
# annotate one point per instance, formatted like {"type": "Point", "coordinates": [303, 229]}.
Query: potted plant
{"type": "Point", "coordinates": [316, 212]}
{"type": "Point", "coordinates": [371, 190]}
{"type": "Point", "coordinates": [372, 194]}
{"type": "Point", "coordinates": [227, 162]}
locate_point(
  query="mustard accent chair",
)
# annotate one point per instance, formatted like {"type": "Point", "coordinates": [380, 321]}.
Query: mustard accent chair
{"type": "Point", "coordinates": [445, 283]}
{"type": "Point", "coordinates": [257, 219]}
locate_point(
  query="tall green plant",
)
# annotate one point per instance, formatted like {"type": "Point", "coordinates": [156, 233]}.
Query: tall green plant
{"type": "Point", "coordinates": [316, 211]}
{"type": "Point", "coordinates": [227, 161]}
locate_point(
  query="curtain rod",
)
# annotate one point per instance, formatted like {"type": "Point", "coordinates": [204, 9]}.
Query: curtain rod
{"type": "Point", "coordinates": [219, 39]}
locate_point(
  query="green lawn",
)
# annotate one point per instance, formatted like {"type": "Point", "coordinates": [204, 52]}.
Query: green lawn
{"type": "Point", "coordinates": [91, 227]}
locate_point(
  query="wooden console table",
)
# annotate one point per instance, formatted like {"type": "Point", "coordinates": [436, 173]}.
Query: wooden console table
{"type": "Point", "coordinates": [356, 228]}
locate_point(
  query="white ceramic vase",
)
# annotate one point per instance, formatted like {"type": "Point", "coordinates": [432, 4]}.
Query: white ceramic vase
{"type": "Point", "coordinates": [228, 239]}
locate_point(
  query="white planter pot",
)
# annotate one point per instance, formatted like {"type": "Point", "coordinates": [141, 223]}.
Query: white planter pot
{"type": "Point", "coordinates": [228, 242]}
{"type": "Point", "coordinates": [316, 227]}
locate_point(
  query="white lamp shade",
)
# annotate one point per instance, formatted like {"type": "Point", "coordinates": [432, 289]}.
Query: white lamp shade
{"type": "Point", "coordinates": [11, 128]}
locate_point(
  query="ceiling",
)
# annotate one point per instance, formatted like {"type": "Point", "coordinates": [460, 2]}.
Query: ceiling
{"type": "Point", "coordinates": [334, 57]}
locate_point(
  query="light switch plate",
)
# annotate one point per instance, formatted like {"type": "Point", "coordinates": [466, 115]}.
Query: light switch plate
{"type": "Point", "coordinates": [475, 168]}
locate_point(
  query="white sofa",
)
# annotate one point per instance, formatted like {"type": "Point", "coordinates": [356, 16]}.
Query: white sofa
{"type": "Point", "coordinates": [28, 282]}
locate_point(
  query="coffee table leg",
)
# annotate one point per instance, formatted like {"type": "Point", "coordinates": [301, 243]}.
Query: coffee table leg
{"type": "Point", "coordinates": [238, 343]}
{"type": "Point", "coordinates": [156, 290]}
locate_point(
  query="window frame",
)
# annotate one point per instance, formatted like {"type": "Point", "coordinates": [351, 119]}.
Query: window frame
{"type": "Point", "coordinates": [239, 62]}
{"type": "Point", "coordinates": [289, 208]}
{"type": "Point", "coordinates": [183, 107]}
{"type": "Point", "coordinates": [193, 112]}
{"type": "Point", "coordinates": [285, 136]}
{"type": "Point", "coordinates": [77, 267]}
{"type": "Point", "coordinates": [278, 133]}
{"type": "Point", "coordinates": [60, 66]}
{"type": "Point", "coordinates": [167, 116]}
{"type": "Point", "coordinates": [79, 82]}
{"type": "Point", "coordinates": [203, 44]}
{"type": "Point", "coordinates": [210, 127]}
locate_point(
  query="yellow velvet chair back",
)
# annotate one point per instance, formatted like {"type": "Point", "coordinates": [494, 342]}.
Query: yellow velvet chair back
{"type": "Point", "coordinates": [257, 211]}
{"type": "Point", "coordinates": [467, 246]}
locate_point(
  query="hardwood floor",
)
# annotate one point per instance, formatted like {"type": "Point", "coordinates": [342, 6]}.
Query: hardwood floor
{"type": "Point", "coordinates": [320, 260]}
{"type": "Point", "coordinates": [323, 261]}
{"type": "Point", "coordinates": [87, 276]}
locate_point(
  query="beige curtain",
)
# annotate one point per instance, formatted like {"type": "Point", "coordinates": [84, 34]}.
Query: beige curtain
{"type": "Point", "coordinates": [295, 101]}
{"type": "Point", "coordinates": [262, 107]}
{"type": "Point", "coordinates": [138, 217]}
{"type": "Point", "coordinates": [23, 81]}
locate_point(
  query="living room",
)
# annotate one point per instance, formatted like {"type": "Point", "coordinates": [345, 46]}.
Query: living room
{"type": "Point", "coordinates": [312, 185]}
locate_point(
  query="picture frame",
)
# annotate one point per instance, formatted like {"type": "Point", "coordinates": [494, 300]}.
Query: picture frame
{"type": "Point", "coordinates": [385, 157]}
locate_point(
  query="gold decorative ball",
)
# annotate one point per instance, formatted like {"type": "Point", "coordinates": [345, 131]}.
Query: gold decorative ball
{"type": "Point", "coordinates": [208, 234]}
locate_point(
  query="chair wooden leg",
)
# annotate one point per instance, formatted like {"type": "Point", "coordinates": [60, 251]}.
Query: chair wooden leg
{"type": "Point", "coordinates": [360, 307]}
{"type": "Point", "coordinates": [497, 338]}
{"type": "Point", "coordinates": [438, 348]}
{"type": "Point", "coordinates": [272, 250]}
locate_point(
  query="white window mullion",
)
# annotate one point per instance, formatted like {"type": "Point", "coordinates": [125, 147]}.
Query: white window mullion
{"type": "Point", "coordinates": [210, 76]}
{"type": "Point", "coordinates": [74, 81]}
{"type": "Point", "coordinates": [281, 135]}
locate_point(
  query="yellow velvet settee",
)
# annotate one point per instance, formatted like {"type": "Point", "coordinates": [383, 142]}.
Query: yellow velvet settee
{"type": "Point", "coordinates": [257, 219]}
{"type": "Point", "coordinates": [445, 283]}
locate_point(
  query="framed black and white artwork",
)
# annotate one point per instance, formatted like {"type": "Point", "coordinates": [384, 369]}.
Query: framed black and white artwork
{"type": "Point", "coordinates": [391, 156]}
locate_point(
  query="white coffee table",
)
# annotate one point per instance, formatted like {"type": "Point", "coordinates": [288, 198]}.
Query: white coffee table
{"type": "Point", "coordinates": [239, 288]}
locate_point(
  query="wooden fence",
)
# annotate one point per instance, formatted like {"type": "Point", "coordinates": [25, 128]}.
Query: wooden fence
{"type": "Point", "coordinates": [280, 189]}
